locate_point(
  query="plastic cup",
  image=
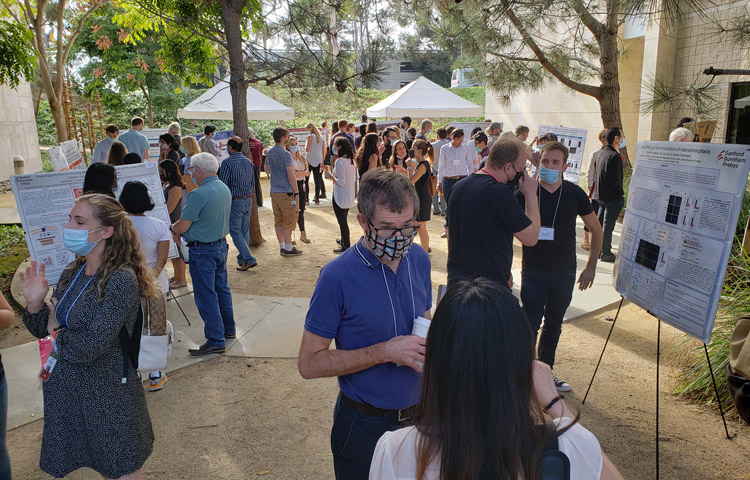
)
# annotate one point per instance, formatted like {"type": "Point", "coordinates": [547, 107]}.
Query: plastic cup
{"type": "Point", "coordinates": [421, 327]}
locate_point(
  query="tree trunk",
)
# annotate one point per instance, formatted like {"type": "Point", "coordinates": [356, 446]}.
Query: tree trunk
{"type": "Point", "coordinates": [55, 106]}
{"type": "Point", "coordinates": [231, 13]}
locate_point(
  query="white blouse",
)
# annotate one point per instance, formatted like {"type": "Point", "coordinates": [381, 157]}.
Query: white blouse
{"type": "Point", "coordinates": [346, 176]}
{"type": "Point", "coordinates": [395, 456]}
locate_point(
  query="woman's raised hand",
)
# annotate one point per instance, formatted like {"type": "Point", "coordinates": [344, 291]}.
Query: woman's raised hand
{"type": "Point", "coordinates": [35, 287]}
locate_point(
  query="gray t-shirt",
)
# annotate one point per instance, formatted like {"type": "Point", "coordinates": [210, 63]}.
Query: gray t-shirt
{"type": "Point", "coordinates": [277, 160]}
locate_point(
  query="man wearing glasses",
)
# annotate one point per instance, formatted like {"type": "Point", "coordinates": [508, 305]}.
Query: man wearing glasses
{"type": "Point", "coordinates": [390, 135]}
{"type": "Point", "coordinates": [366, 300]}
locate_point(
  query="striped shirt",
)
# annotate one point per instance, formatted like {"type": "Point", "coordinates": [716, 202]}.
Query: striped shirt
{"type": "Point", "coordinates": [238, 174]}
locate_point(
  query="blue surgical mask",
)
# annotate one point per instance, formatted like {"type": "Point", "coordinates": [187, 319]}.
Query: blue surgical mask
{"type": "Point", "coordinates": [294, 148]}
{"type": "Point", "coordinates": [334, 149]}
{"type": "Point", "coordinates": [479, 150]}
{"type": "Point", "coordinates": [548, 175]}
{"type": "Point", "coordinates": [194, 179]}
{"type": "Point", "coordinates": [622, 145]}
{"type": "Point", "coordinates": [429, 130]}
{"type": "Point", "coordinates": [77, 241]}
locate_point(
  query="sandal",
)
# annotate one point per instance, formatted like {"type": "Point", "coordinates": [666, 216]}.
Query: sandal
{"type": "Point", "coordinates": [176, 285]}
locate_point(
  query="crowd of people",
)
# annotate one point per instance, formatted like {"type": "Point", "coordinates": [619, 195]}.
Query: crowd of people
{"type": "Point", "coordinates": [476, 398]}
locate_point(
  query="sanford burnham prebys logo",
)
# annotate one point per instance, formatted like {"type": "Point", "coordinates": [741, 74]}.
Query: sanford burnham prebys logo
{"type": "Point", "coordinates": [731, 158]}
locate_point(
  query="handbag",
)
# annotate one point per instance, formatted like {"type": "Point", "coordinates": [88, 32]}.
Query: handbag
{"type": "Point", "coordinates": [433, 184]}
{"type": "Point", "coordinates": [156, 336]}
{"type": "Point", "coordinates": [738, 368]}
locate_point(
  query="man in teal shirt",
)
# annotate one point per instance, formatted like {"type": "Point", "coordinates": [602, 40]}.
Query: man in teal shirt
{"type": "Point", "coordinates": [204, 226]}
{"type": "Point", "coordinates": [134, 140]}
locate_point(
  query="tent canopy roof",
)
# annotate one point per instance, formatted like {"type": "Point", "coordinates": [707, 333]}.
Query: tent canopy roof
{"type": "Point", "coordinates": [216, 104]}
{"type": "Point", "coordinates": [424, 98]}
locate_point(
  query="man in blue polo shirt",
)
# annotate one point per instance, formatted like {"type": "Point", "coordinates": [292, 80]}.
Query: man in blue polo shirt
{"type": "Point", "coordinates": [204, 225]}
{"type": "Point", "coordinates": [134, 140]}
{"type": "Point", "coordinates": [367, 300]}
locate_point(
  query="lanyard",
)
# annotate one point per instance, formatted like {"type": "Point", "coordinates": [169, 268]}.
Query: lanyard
{"type": "Point", "coordinates": [539, 194]}
{"type": "Point", "coordinates": [388, 289]}
{"type": "Point", "coordinates": [484, 170]}
{"type": "Point", "coordinates": [64, 322]}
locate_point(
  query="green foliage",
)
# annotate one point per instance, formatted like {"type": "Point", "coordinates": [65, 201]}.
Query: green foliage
{"type": "Point", "coordinates": [16, 54]}
{"type": "Point", "coordinates": [695, 381]}
{"type": "Point", "coordinates": [13, 249]}
{"type": "Point", "coordinates": [46, 163]}
{"type": "Point", "coordinates": [9, 236]}
{"type": "Point", "coordinates": [45, 125]}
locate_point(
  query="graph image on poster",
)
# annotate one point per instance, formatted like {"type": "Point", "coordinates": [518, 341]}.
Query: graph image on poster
{"type": "Point", "coordinates": [682, 210]}
{"type": "Point", "coordinates": [45, 199]}
{"type": "Point", "coordinates": [575, 140]}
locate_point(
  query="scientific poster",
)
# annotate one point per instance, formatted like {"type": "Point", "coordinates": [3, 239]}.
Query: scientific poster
{"type": "Point", "coordinates": [44, 201]}
{"type": "Point", "coordinates": [220, 141]}
{"type": "Point", "coordinates": [66, 156]}
{"type": "Point", "coordinates": [575, 140]}
{"type": "Point", "coordinates": [682, 210]}
{"type": "Point", "coordinates": [152, 135]}
{"type": "Point", "coordinates": [467, 127]}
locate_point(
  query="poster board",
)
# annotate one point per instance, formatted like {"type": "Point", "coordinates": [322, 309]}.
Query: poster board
{"type": "Point", "coordinates": [152, 135]}
{"type": "Point", "coordinates": [44, 201]}
{"type": "Point", "coordinates": [575, 140]}
{"type": "Point", "coordinates": [220, 141]}
{"type": "Point", "coordinates": [66, 156]}
{"type": "Point", "coordinates": [702, 131]}
{"type": "Point", "coordinates": [683, 205]}
{"type": "Point", "coordinates": [300, 134]}
{"type": "Point", "coordinates": [467, 127]}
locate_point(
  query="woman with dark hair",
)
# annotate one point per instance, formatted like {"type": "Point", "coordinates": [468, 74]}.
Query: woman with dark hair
{"type": "Point", "coordinates": [344, 177]}
{"type": "Point", "coordinates": [153, 235]}
{"type": "Point", "coordinates": [169, 148]}
{"type": "Point", "coordinates": [419, 173]}
{"type": "Point", "coordinates": [100, 178]}
{"type": "Point", "coordinates": [484, 399]}
{"type": "Point", "coordinates": [131, 159]}
{"type": "Point", "coordinates": [372, 127]}
{"type": "Point", "coordinates": [362, 130]}
{"type": "Point", "coordinates": [368, 155]}
{"type": "Point", "coordinates": [400, 156]}
{"type": "Point", "coordinates": [171, 181]}
{"type": "Point", "coordinates": [116, 154]}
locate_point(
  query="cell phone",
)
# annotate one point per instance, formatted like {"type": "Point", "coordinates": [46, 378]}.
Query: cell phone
{"type": "Point", "coordinates": [411, 153]}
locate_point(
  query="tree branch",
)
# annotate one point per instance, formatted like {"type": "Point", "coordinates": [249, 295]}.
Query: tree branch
{"type": "Point", "coordinates": [594, 25]}
{"type": "Point", "coordinates": [544, 61]}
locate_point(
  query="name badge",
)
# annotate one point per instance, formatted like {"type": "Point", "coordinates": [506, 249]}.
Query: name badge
{"type": "Point", "coordinates": [547, 233]}
{"type": "Point", "coordinates": [49, 365]}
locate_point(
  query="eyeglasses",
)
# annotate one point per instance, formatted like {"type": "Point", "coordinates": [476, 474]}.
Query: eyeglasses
{"type": "Point", "coordinates": [389, 232]}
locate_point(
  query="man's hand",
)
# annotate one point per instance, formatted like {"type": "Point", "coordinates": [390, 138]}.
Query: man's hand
{"type": "Point", "coordinates": [528, 185]}
{"type": "Point", "coordinates": [406, 350]}
{"type": "Point", "coordinates": [440, 188]}
{"type": "Point", "coordinates": [587, 278]}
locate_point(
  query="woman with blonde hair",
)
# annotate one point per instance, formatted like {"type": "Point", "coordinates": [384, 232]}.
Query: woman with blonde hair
{"type": "Point", "coordinates": [302, 174]}
{"type": "Point", "coordinates": [420, 170]}
{"type": "Point", "coordinates": [191, 147]}
{"type": "Point", "coordinates": [116, 154]}
{"type": "Point", "coordinates": [316, 147]}
{"type": "Point", "coordinates": [95, 412]}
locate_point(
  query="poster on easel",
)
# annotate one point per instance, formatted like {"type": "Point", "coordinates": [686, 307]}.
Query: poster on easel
{"type": "Point", "coordinates": [66, 156]}
{"type": "Point", "coordinates": [220, 142]}
{"type": "Point", "coordinates": [679, 226]}
{"type": "Point", "coordinates": [575, 140]}
{"type": "Point", "coordinates": [44, 201]}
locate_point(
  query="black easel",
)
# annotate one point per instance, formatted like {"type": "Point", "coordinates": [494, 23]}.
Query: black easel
{"type": "Point", "coordinates": [174, 297]}
{"type": "Point", "coordinates": [658, 363]}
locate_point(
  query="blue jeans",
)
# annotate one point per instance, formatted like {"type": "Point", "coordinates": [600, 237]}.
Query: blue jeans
{"type": "Point", "coordinates": [208, 270]}
{"type": "Point", "coordinates": [353, 440]}
{"type": "Point", "coordinates": [239, 229]}
{"type": "Point", "coordinates": [4, 458]}
{"type": "Point", "coordinates": [546, 294]}
{"type": "Point", "coordinates": [608, 213]}
{"type": "Point", "coordinates": [438, 203]}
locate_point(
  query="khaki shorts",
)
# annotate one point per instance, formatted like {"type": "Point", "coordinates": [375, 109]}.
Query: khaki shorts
{"type": "Point", "coordinates": [284, 213]}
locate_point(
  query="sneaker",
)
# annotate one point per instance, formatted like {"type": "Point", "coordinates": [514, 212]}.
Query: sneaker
{"type": "Point", "coordinates": [205, 349]}
{"type": "Point", "coordinates": [561, 385]}
{"type": "Point", "coordinates": [607, 257]}
{"type": "Point", "coordinates": [157, 383]}
{"type": "Point", "coordinates": [291, 253]}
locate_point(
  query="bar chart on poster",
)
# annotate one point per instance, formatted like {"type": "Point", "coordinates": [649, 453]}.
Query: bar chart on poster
{"type": "Point", "coordinates": [679, 226]}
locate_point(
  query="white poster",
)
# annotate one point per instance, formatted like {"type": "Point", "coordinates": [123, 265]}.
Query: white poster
{"type": "Point", "coordinates": [66, 156]}
{"type": "Point", "coordinates": [682, 210]}
{"type": "Point", "coordinates": [220, 141]}
{"type": "Point", "coordinates": [575, 140]}
{"type": "Point", "coordinates": [44, 201]}
{"type": "Point", "coordinates": [152, 135]}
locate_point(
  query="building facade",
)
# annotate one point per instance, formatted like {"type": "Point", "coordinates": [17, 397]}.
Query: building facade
{"type": "Point", "coordinates": [18, 135]}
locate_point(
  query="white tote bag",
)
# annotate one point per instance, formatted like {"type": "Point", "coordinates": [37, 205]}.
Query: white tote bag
{"type": "Point", "coordinates": [156, 336]}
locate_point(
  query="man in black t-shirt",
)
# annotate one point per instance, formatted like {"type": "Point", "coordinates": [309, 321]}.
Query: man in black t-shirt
{"type": "Point", "coordinates": [484, 216]}
{"type": "Point", "coordinates": [549, 267]}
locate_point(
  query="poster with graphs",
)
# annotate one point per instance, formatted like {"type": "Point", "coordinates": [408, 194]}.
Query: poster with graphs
{"type": "Point", "coordinates": [680, 220]}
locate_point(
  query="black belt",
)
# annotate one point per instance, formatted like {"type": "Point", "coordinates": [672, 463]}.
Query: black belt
{"type": "Point", "coordinates": [399, 415]}
{"type": "Point", "coordinates": [242, 197]}
{"type": "Point", "coordinates": [198, 244]}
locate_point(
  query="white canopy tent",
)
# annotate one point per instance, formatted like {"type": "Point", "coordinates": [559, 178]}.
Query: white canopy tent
{"type": "Point", "coordinates": [216, 104]}
{"type": "Point", "coordinates": [742, 102]}
{"type": "Point", "coordinates": [424, 98]}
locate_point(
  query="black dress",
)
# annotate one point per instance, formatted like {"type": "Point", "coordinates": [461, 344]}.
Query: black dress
{"type": "Point", "coordinates": [423, 192]}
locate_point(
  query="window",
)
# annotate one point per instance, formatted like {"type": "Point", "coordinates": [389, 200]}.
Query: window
{"type": "Point", "coordinates": [738, 125]}
{"type": "Point", "coordinates": [407, 67]}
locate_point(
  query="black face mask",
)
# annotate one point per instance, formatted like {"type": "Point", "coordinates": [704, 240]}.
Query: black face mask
{"type": "Point", "coordinates": [513, 182]}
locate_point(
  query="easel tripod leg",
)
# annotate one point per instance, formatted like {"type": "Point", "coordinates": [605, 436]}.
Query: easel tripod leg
{"type": "Point", "coordinates": [658, 361]}
{"type": "Point", "coordinates": [716, 390]}
{"type": "Point", "coordinates": [622, 299]}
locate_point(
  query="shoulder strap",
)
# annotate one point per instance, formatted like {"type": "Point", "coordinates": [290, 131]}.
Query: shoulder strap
{"type": "Point", "coordinates": [555, 464]}
{"type": "Point", "coordinates": [130, 345]}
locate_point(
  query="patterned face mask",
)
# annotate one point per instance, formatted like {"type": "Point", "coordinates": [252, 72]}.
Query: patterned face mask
{"type": "Point", "coordinates": [392, 247]}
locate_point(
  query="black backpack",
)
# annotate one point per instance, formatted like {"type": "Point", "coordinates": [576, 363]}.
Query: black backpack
{"type": "Point", "coordinates": [555, 464]}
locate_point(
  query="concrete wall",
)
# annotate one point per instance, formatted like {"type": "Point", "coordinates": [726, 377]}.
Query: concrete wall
{"type": "Point", "coordinates": [18, 134]}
